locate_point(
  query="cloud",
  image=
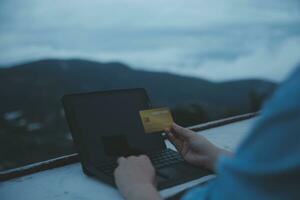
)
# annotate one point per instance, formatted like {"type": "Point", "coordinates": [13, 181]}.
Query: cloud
{"type": "Point", "coordinates": [217, 39]}
{"type": "Point", "coordinates": [275, 64]}
{"type": "Point", "coordinates": [90, 14]}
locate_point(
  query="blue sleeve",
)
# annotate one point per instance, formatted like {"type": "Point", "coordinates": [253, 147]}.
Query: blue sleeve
{"type": "Point", "coordinates": [267, 164]}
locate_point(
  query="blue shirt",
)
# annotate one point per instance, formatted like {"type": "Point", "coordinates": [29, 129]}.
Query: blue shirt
{"type": "Point", "coordinates": [267, 163]}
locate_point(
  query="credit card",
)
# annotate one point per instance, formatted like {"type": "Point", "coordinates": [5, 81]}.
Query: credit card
{"type": "Point", "coordinates": [156, 120]}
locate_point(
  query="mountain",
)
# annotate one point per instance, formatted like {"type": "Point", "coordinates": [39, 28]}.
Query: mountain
{"type": "Point", "coordinates": [31, 117]}
{"type": "Point", "coordinates": [48, 80]}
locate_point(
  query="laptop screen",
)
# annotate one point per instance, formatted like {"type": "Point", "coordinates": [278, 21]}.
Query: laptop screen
{"type": "Point", "coordinates": [108, 124]}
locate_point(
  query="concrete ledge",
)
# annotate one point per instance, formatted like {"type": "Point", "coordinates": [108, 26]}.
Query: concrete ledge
{"type": "Point", "coordinates": [73, 158]}
{"type": "Point", "coordinates": [222, 122]}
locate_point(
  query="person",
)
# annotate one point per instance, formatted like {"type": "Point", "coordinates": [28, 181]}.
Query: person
{"type": "Point", "coordinates": [266, 165]}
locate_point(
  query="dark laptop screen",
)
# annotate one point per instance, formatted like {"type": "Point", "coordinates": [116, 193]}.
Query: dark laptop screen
{"type": "Point", "coordinates": [109, 124]}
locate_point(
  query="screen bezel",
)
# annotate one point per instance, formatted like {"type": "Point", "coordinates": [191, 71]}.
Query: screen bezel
{"type": "Point", "coordinates": [78, 140]}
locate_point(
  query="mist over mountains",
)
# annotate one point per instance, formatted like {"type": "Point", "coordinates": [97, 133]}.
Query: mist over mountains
{"type": "Point", "coordinates": [32, 122]}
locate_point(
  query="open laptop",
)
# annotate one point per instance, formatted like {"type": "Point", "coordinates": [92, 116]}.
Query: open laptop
{"type": "Point", "coordinates": [107, 125]}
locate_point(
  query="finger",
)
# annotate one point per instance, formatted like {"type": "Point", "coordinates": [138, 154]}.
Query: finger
{"type": "Point", "coordinates": [167, 130]}
{"type": "Point", "coordinates": [144, 157]}
{"type": "Point", "coordinates": [180, 131]}
{"type": "Point", "coordinates": [172, 138]}
{"type": "Point", "coordinates": [116, 171]}
{"type": "Point", "coordinates": [184, 150]}
{"type": "Point", "coordinates": [131, 159]}
{"type": "Point", "coordinates": [176, 142]}
{"type": "Point", "coordinates": [120, 160]}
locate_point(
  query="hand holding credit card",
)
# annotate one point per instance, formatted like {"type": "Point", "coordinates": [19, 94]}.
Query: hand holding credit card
{"type": "Point", "coordinates": [156, 120]}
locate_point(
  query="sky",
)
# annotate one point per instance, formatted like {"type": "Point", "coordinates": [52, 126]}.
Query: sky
{"type": "Point", "coordinates": [217, 39]}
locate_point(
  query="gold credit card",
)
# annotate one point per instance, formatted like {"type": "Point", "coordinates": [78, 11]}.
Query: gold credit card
{"type": "Point", "coordinates": [156, 120]}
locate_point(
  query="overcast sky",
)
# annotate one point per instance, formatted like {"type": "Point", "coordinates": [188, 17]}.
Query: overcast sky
{"type": "Point", "coordinates": [214, 39]}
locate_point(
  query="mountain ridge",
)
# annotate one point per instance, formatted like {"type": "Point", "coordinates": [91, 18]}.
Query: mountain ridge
{"type": "Point", "coordinates": [80, 75]}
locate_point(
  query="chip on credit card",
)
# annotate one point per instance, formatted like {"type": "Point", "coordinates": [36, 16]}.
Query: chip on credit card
{"type": "Point", "coordinates": [156, 120]}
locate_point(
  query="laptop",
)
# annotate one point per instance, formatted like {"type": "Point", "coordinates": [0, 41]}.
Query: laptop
{"type": "Point", "coordinates": [107, 125]}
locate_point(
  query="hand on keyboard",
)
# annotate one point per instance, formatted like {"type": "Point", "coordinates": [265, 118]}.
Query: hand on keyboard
{"type": "Point", "coordinates": [135, 178]}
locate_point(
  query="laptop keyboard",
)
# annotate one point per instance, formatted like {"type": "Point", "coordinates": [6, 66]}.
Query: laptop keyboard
{"type": "Point", "coordinates": [160, 159]}
{"type": "Point", "coordinates": [165, 158]}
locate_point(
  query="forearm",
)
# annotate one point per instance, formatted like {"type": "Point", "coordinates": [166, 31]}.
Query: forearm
{"type": "Point", "coordinates": [145, 192]}
{"type": "Point", "coordinates": [219, 152]}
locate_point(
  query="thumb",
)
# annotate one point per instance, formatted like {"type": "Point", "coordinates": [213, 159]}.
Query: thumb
{"type": "Point", "coordinates": [181, 131]}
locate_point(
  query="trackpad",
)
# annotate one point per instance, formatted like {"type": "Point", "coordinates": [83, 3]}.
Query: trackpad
{"type": "Point", "coordinates": [176, 171]}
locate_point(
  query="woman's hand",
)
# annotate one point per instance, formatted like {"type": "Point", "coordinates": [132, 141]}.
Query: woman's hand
{"type": "Point", "coordinates": [194, 148]}
{"type": "Point", "coordinates": [135, 178]}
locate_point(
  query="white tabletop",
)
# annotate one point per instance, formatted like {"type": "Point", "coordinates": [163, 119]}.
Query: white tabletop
{"type": "Point", "coordinates": [69, 182]}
